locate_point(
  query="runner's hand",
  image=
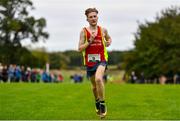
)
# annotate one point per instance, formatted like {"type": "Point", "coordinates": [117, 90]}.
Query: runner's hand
{"type": "Point", "coordinates": [108, 43]}
{"type": "Point", "coordinates": [93, 35]}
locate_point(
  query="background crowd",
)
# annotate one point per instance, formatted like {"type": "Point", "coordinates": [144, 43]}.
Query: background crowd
{"type": "Point", "coordinates": [162, 79]}
{"type": "Point", "coordinates": [16, 73]}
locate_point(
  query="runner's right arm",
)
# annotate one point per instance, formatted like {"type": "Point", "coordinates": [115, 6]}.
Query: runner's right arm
{"type": "Point", "coordinates": [82, 43]}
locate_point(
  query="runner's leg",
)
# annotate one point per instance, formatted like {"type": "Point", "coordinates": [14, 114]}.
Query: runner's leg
{"type": "Point", "coordinates": [99, 82]}
{"type": "Point", "coordinates": [94, 89]}
{"type": "Point", "coordinates": [100, 90]}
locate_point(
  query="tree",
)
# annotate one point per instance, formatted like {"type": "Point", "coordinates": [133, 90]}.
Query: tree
{"type": "Point", "coordinates": [157, 45]}
{"type": "Point", "coordinates": [58, 60]}
{"type": "Point", "coordinates": [115, 58]}
{"type": "Point", "coordinates": [40, 58]}
{"type": "Point", "coordinates": [17, 25]}
{"type": "Point", "coordinates": [75, 58]}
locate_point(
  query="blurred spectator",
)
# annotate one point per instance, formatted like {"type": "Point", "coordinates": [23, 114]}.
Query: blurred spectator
{"type": "Point", "coordinates": [60, 78]}
{"type": "Point", "coordinates": [133, 77]}
{"type": "Point", "coordinates": [77, 78]}
{"type": "Point", "coordinates": [23, 74]}
{"type": "Point", "coordinates": [4, 73]}
{"type": "Point", "coordinates": [162, 79]}
{"type": "Point", "coordinates": [33, 75]}
{"type": "Point", "coordinates": [28, 74]}
{"type": "Point", "coordinates": [176, 79]}
{"type": "Point", "coordinates": [17, 74]}
{"type": "Point", "coordinates": [52, 77]}
{"type": "Point", "coordinates": [1, 68]}
{"type": "Point", "coordinates": [142, 78]}
{"type": "Point", "coordinates": [45, 77]}
{"type": "Point", "coordinates": [38, 75]}
{"type": "Point", "coordinates": [11, 70]}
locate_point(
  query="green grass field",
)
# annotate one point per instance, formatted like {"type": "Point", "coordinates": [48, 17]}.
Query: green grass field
{"type": "Point", "coordinates": [25, 101]}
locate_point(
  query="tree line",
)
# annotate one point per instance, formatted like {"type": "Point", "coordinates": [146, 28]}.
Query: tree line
{"type": "Point", "coordinates": [58, 60]}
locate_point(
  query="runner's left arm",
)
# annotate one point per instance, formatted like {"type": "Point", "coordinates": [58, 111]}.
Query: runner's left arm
{"type": "Point", "coordinates": [107, 37]}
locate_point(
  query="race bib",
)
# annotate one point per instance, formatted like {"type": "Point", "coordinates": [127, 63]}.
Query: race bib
{"type": "Point", "coordinates": [93, 57]}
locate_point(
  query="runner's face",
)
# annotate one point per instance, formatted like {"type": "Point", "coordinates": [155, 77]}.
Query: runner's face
{"type": "Point", "coordinates": [92, 18]}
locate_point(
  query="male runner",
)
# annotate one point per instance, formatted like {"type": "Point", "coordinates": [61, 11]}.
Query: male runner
{"type": "Point", "coordinates": [93, 42]}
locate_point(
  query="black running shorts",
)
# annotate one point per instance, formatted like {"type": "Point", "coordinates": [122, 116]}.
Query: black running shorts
{"type": "Point", "coordinates": [92, 70]}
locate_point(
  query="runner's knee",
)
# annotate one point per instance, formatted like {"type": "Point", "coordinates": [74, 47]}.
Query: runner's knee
{"type": "Point", "coordinates": [99, 80]}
